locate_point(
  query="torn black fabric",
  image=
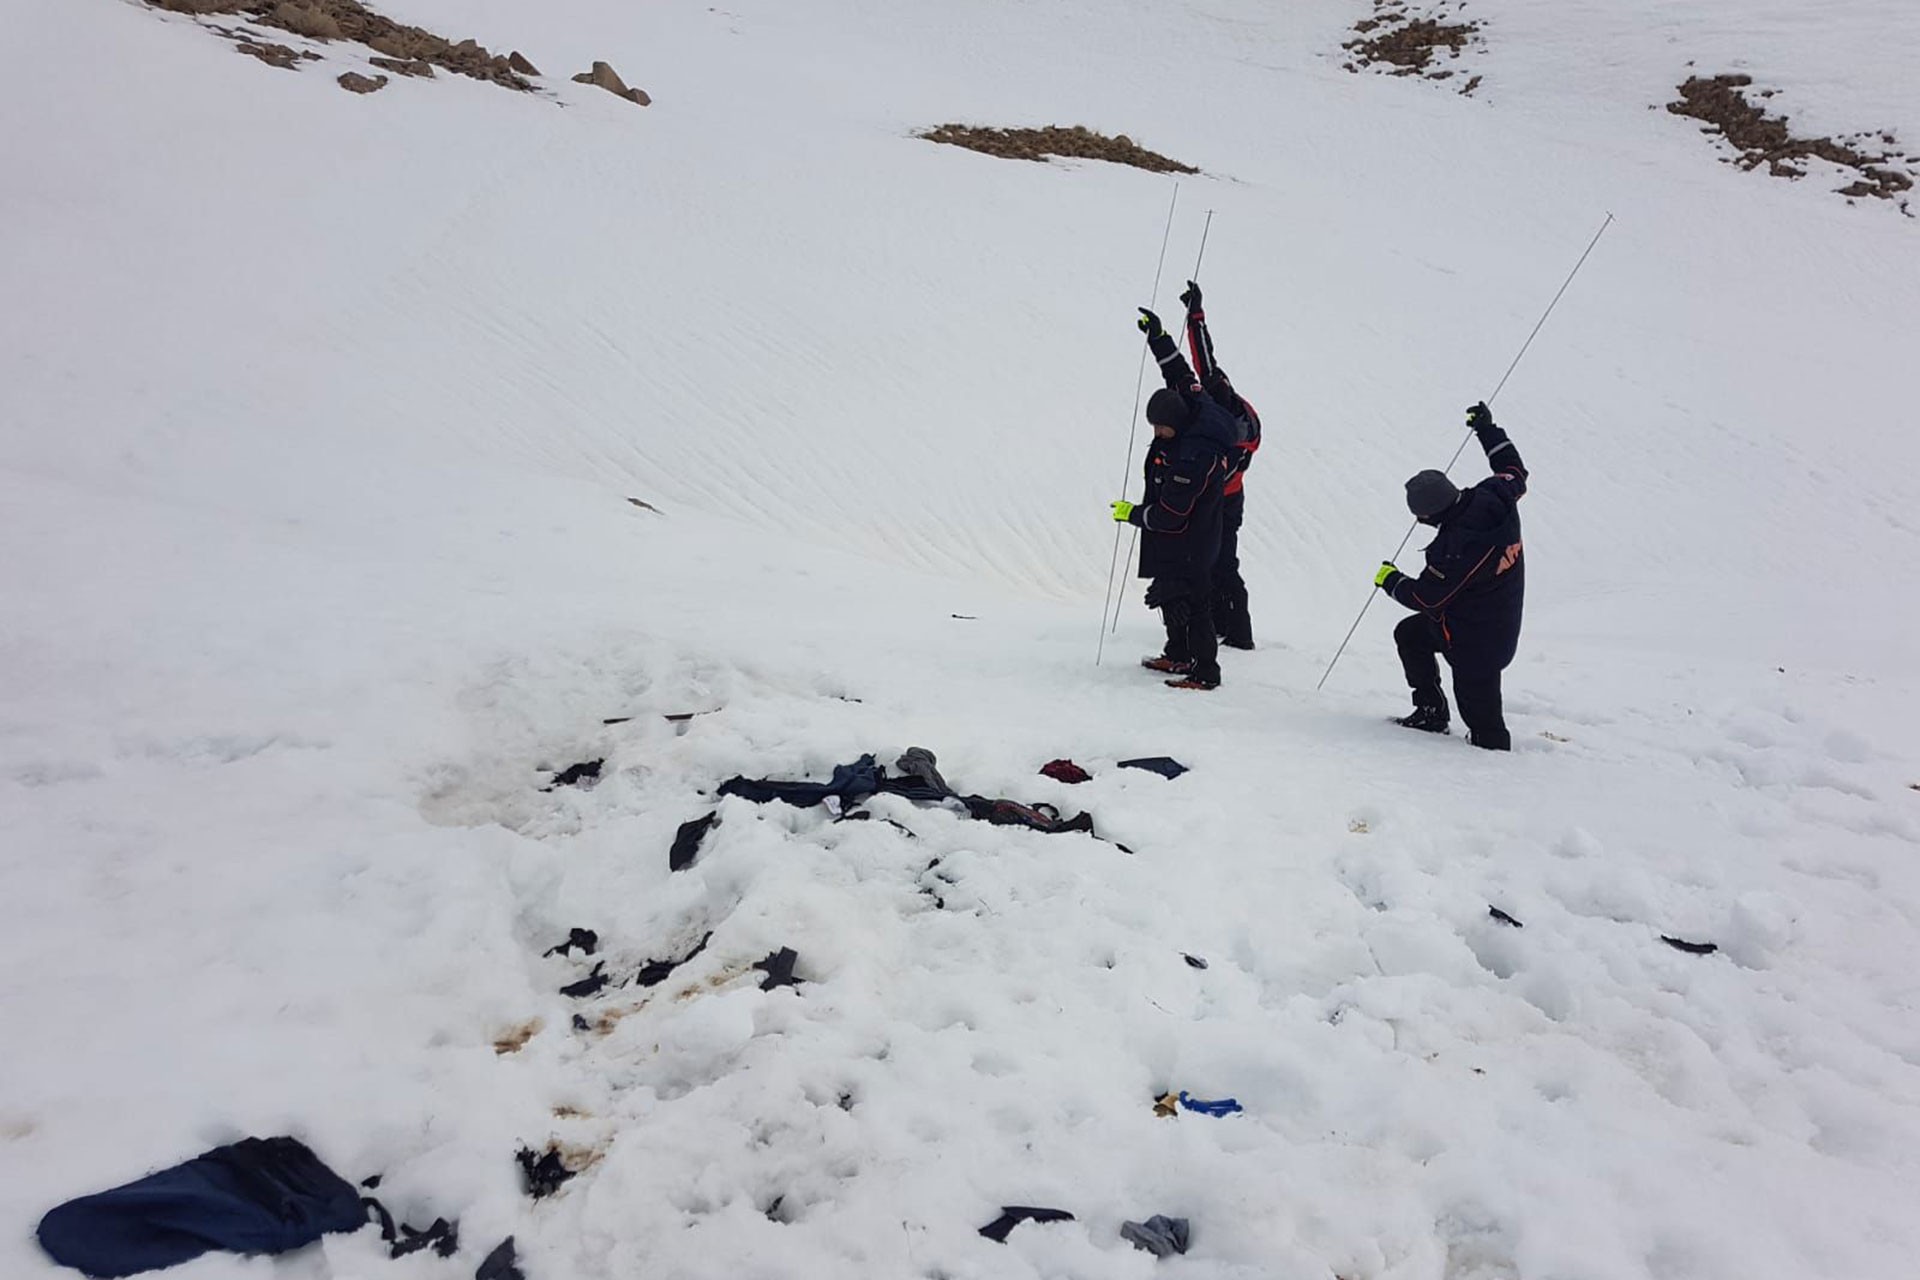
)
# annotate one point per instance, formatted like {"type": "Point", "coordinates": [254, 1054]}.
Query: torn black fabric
{"type": "Point", "coordinates": [655, 972]}
{"type": "Point", "coordinates": [686, 841]}
{"type": "Point", "coordinates": [588, 985]}
{"type": "Point", "coordinates": [1012, 1215]}
{"type": "Point", "coordinates": [1165, 766]}
{"type": "Point", "coordinates": [585, 941]}
{"type": "Point", "coordinates": [501, 1264]}
{"type": "Point", "coordinates": [779, 969]}
{"type": "Point", "coordinates": [545, 1174]}
{"type": "Point", "coordinates": [575, 774]}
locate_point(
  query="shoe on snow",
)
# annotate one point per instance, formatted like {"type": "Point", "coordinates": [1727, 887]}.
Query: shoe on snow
{"type": "Point", "coordinates": [1172, 666]}
{"type": "Point", "coordinates": [1192, 682]}
{"type": "Point", "coordinates": [1425, 719]}
{"type": "Point", "coordinates": [1234, 642]}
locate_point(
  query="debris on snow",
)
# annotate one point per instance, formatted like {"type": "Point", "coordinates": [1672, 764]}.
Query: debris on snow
{"type": "Point", "coordinates": [1504, 918]}
{"type": "Point", "coordinates": [1691, 948]}
{"type": "Point", "coordinates": [1402, 43]}
{"type": "Point", "coordinates": [1013, 1215]}
{"type": "Point", "coordinates": [1159, 1235]}
{"type": "Point", "coordinates": [585, 941]}
{"type": "Point", "coordinates": [604, 76]}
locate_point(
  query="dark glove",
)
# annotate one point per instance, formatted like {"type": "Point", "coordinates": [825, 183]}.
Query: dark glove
{"type": "Point", "coordinates": [1191, 298]}
{"type": "Point", "coordinates": [1479, 418]}
{"type": "Point", "coordinates": [1150, 325]}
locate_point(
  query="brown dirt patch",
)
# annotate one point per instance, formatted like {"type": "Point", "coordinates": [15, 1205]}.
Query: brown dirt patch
{"type": "Point", "coordinates": [1398, 41]}
{"type": "Point", "coordinates": [1758, 138]}
{"type": "Point", "coordinates": [352, 22]}
{"type": "Point", "coordinates": [515, 1040]}
{"type": "Point", "coordinates": [1076, 142]}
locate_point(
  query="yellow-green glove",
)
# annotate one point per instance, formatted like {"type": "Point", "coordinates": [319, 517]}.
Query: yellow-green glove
{"type": "Point", "coordinates": [1387, 570]}
{"type": "Point", "coordinates": [1123, 512]}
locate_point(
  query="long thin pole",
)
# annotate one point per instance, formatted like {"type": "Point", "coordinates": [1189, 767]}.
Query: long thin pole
{"type": "Point", "coordinates": [1133, 539]}
{"type": "Point", "coordinates": [1133, 420]}
{"type": "Point", "coordinates": [1408, 536]}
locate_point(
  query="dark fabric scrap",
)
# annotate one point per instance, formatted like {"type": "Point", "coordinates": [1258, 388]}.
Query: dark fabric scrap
{"type": "Point", "coordinates": [1193, 961]}
{"type": "Point", "coordinates": [259, 1195]}
{"type": "Point", "coordinates": [918, 762]}
{"type": "Point", "coordinates": [850, 782]}
{"type": "Point", "coordinates": [779, 969]}
{"type": "Point", "coordinates": [574, 774]}
{"type": "Point", "coordinates": [500, 1264]}
{"type": "Point", "coordinates": [686, 841]}
{"type": "Point", "coordinates": [585, 941]}
{"type": "Point", "coordinates": [545, 1173]}
{"type": "Point", "coordinates": [1012, 1215]}
{"type": "Point", "coordinates": [1165, 766]}
{"type": "Point", "coordinates": [1065, 771]}
{"type": "Point", "coordinates": [1011, 813]}
{"type": "Point", "coordinates": [1504, 918]}
{"type": "Point", "coordinates": [588, 985]}
{"type": "Point", "coordinates": [1159, 1235]}
{"type": "Point", "coordinates": [1691, 948]}
{"type": "Point", "coordinates": [655, 972]}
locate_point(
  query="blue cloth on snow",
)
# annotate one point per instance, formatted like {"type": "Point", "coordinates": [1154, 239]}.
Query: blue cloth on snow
{"type": "Point", "coordinates": [850, 782]}
{"type": "Point", "coordinates": [1165, 766]}
{"type": "Point", "coordinates": [1215, 1107]}
{"type": "Point", "coordinates": [260, 1195]}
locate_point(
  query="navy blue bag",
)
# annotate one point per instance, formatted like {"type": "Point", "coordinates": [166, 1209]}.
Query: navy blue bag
{"type": "Point", "coordinates": [260, 1195]}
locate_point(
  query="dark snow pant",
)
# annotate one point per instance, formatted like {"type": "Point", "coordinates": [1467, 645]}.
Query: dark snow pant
{"type": "Point", "coordinates": [1230, 618]}
{"type": "Point", "coordinates": [1187, 611]}
{"type": "Point", "coordinates": [1476, 688]}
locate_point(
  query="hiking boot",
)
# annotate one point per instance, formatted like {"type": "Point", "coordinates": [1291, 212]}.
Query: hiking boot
{"type": "Point", "coordinates": [1425, 719]}
{"type": "Point", "coordinates": [1171, 666]}
{"type": "Point", "coordinates": [1192, 682]}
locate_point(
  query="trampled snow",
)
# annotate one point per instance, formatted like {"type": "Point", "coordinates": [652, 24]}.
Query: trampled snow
{"type": "Point", "coordinates": [321, 415]}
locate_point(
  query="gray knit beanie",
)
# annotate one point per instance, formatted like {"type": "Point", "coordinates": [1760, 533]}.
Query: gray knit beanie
{"type": "Point", "coordinates": [1430, 493]}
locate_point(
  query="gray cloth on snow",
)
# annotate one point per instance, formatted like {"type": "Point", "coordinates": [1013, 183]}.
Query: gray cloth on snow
{"type": "Point", "coordinates": [918, 762]}
{"type": "Point", "coordinates": [1159, 1235]}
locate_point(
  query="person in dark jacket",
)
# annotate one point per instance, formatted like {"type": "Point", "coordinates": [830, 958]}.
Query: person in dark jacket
{"type": "Point", "coordinates": [1231, 621]}
{"type": "Point", "coordinates": [1186, 468]}
{"type": "Point", "coordinates": [1467, 601]}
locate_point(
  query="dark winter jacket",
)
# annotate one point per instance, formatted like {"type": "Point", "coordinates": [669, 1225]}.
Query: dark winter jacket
{"type": "Point", "coordinates": [1179, 518]}
{"type": "Point", "coordinates": [1475, 580]}
{"type": "Point", "coordinates": [1220, 387]}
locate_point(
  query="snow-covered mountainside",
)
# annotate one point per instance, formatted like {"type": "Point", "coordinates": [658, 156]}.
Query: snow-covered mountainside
{"type": "Point", "coordinates": [321, 415]}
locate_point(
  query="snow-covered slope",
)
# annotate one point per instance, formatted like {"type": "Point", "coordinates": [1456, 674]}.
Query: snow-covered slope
{"type": "Point", "coordinates": [320, 415]}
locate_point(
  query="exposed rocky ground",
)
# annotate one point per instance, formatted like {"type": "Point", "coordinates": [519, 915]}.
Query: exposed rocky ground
{"type": "Point", "coordinates": [1077, 142]}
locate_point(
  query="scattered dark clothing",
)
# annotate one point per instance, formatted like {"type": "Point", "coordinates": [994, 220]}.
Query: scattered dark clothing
{"type": "Point", "coordinates": [1012, 1215]}
{"type": "Point", "coordinates": [1471, 593]}
{"type": "Point", "coordinates": [779, 969]}
{"type": "Point", "coordinates": [1065, 771]}
{"type": "Point", "coordinates": [585, 941]}
{"type": "Point", "coordinates": [1504, 918]}
{"type": "Point", "coordinates": [1214, 1107]}
{"type": "Point", "coordinates": [501, 1264]}
{"type": "Point", "coordinates": [1231, 621]}
{"type": "Point", "coordinates": [1159, 1235]}
{"type": "Point", "coordinates": [686, 841]}
{"type": "Point", "coordinates": [1477, 688]}
{"type": "Point", "coordinates": [545, 1174]}
{"type": "Point", "coordinates": [1186, 610]}
{"type": "Point", "coordinates": [589, 985]}
{"type": "Point", "coordinates": [442, 1237]}
{"type": "Point", "coordinates": [260, 1195]}
{"type": "Point", "coordinates": [918, 762]}
{"type": "Point", "coordinates": [1691, 948]}
{"type": "Point", "coordinates": [655, 972]}
{"type": "Point", "coordinates": [575, 774]}
{"type": "Point", "coordinates": [850, 784]}
{"type": "Point", "coordinates": [1038, 817]}
{"type": "Point", "coordinates": [1165, 766]}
